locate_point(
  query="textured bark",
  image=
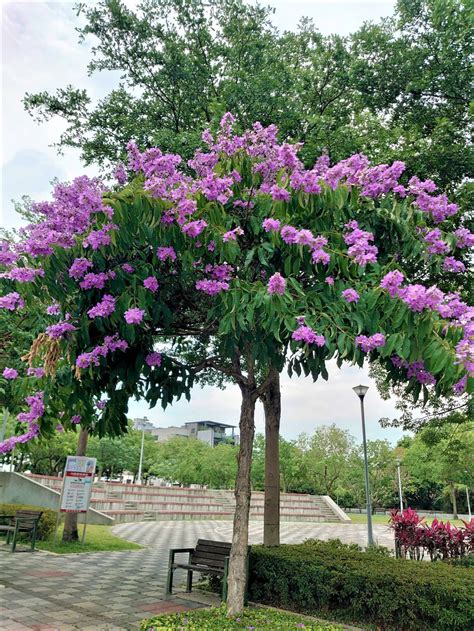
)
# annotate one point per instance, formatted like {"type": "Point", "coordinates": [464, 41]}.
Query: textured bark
{"type": "Point", "coordinates": [272, 408]}
{"type": "Point", "coordinates": [70, 532]}
{"type": "Point", "coordinates": [238, 554]}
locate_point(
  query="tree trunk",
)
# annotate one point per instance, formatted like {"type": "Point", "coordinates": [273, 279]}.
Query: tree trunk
{"type": "Point", "coordinates": [271, 512]}
{"type": "Point", "coordinates": [454, 500]}
{"type": "Point", "coordinates": [70, 532]}
{"type": "Point", "coordinates": [238, 554]}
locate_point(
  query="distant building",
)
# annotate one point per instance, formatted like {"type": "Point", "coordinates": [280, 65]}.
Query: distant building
{"type": "Point", "coordinates": [209, 432]}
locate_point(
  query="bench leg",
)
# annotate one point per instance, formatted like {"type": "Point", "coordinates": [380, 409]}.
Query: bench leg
{"type": "Point", "coordinates": [33, 538]}
{"type": "Point", "coordinates": [169, 581]}
{"type": "Point", "coordinates": [14, 541]}
{"type": "Point", "coordinates": [189, 581]}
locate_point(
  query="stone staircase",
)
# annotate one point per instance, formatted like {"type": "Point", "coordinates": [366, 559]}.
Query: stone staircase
{"type": "Point", "coordinates": [136, 502]}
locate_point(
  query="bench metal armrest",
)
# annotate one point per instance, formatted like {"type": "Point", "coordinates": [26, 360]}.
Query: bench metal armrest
{"type": "Point", "coordinates": [175, 551]}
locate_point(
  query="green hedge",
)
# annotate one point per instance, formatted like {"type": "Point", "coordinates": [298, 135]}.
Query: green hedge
{"type": "Point", "coordinates": [46, 523]}
{"type": "Point", "coordinates": [318, 577]}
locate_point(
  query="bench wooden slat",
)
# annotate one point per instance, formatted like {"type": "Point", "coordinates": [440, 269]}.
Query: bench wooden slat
{"type": "Point", "coordinates": [212, 553]}
{"type": "Point", "coordinates": [214, 544]}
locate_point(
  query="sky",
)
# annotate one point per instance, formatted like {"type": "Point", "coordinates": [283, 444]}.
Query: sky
{"type": "Point", "coordinates": [40, 52]}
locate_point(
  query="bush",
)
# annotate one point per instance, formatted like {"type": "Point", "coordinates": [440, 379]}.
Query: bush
{"type": "Point", "coordinates": [400, 594]}
{"type": "Point", "coordinates": [215, 619]}
{"type": "Point", "coordinates": [46, 524]}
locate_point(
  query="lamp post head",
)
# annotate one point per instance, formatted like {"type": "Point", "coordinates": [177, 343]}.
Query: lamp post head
{"type": "Point", "coordinates": [361, 391]}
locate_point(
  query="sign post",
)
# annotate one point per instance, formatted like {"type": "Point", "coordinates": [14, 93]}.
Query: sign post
{"type": "Point", "coordinates": [76, 491]}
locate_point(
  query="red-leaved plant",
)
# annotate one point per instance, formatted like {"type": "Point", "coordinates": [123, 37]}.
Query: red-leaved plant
{"type": "Point", "coordinates": [441, 540]}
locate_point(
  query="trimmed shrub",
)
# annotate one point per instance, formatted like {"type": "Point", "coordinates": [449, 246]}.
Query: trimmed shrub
{"type": "Point", "coordinates": [46, 523]}
{"type": "Point", "coordinates": [318, 577]}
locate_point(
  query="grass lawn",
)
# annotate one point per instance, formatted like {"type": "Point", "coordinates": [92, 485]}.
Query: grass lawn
{"type": "Point", "coordinates": [215, 619]}
{"type": "Point", "coordinates": [359, 518]}
{"type": "Point", "coordinates": [98, 539]}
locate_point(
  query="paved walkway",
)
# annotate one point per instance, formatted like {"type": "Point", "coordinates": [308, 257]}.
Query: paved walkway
{"type": "Point", "coordinates": [113, 591]}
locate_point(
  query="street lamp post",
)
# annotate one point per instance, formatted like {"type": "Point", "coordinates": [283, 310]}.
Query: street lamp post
{"type": "Point", "coordinates": [400, 495]}
{"type": "Point", "coordinates": [468, 503]}
{"type": "Point", "coordinates": [361, 391]}
{"type": "Point", "coordinates": [140, 464]}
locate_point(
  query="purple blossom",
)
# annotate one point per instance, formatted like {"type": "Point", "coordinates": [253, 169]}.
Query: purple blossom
{"type": "Point", "coordinates": [329, 280]}
{"type": "Point", "coordinates": [7, 257]}
{"type": "Point", "coordinates": [129, 269]}
{"type": "Point", "coordinates": [103, 308]}
{"type": "Point", "coordinates": [53, 309]}
{"type": "Point", "coordinates": [232, 235]}
{"type": "Point", "coordinates": [276, 284]}
{"type": "Point", "coordinates": [320, 256]}
{"type": "Point", "coordinates": [23, 274]}
{"type": "Point", "coordinates": [153, 359]}
{"type": "Point", "coordinates": [111, 343]}
{"type": "Point", "coordinates": [36, 372]}
{"type": "Point", "coordinates": [59, 428]}
{"type": "Point", "coordinates": [464, 238]}
{"type": "Point", "coordinates": [98, 238]}
{"type": "Point", "coordinates": [95, 281]}
{"type": "Point", "coordinates": [350, 295]}
{"type": "Point", "coordinates": [450, 264]}
{"type": "Point", "coordinates": [194, 228]}
{"type": "Point", "coordinates": [76, 419]}
{"type": "Point", "coordinates": [134, 315]}
{"type": "Point", "coordinates": [211, 246]}
{"type": "Point", "coordinates": [279, 194]}
{"type": "Point", "coordinates": [417, 369]}
{"type": "Point", "coordinates": [120, 174]}
{"type": "Point", "coordinates": [165, 253]}
{"type": "Point", "coordinates": [270, 225]}
{"type": "Point", "coordinates": [10, 373]}
{"type": "Point", "coordinates": [79, 268]}
{"type": "Point", "coordinates": [151, 283]}
{"type": "Point", "coordinates": [12, 301]}
{"type": "Point", "coordinates": [360, 249]}
{"type": "Point", "coordinates": [101, 405]}
{"type": "Point", "coordinates": [391, 282]}
{"type": "Point", "coordinates": [306, 334]}
{"type": "Point", "coordinates": [59, 330]}
{"type": "Point", "coordinates": [304, 237]}
{"type": "Point", "coordinates": [368, 344]}
{"type": "Point", "coordinates": [460, 386]}
{"type": "Point", "coordinates": [212, 287]}
{"type": "Point", "coordinates": [289, 234]}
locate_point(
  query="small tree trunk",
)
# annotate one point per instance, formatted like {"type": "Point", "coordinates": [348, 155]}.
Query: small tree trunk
{"type": "Point", "coordinates": [454, 500]}
{"type": "Point", "coordinates": [238, 554]}
{"type": "Point", "coordinates": [271, 511]}
{"type": "Point", "coordinates": [70, 532]}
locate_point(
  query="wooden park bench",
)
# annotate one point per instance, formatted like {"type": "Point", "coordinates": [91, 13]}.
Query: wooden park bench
{"type": "Point", "coordinates": [208, 557]}
{"type": "Point", "coordinates": [24, 521]}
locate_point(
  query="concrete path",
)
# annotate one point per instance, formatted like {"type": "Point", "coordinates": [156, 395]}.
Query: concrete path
{"type": "Point", "coordinates": [113, 591]}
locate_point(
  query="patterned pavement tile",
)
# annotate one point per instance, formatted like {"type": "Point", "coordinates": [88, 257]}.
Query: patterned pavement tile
{"type": "Point", "coordinates": [112, 591]}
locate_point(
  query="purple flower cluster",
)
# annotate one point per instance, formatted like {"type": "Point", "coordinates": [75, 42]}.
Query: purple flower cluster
{"type": "Point", "coordinates": [153, 359]}
{"type": "Point", "coordinates": [464, 238]}
{"type": "Point", "coordinates": [166, 252]}
{"type": "Point", "coordinates": [271, 225]}
{"type": "Point", "coordinates": [134, 315]}
{"type": "Point", "coordinates": [79, 268]}
{"type": "Point", "coordinates": [306, 334]}
{"type": "Point", "coordinates": [53, 309]}
{"type": "Point", "coordinates": [98, 238]}
{"type": "Point", "coordinates": [368, 344]}
{"type": "Point", "coordinates": [59, 330]}
{"type": "Point", "coordinates": [10, 373]}
{"type": "Point", "coordinates": [96, 281]}
{"type": "Point", "coordinates": [7, 256]}
{"type": "Point", "coordinates": [12, 301]}
{"type": "Point", "coordinates": [111, 343]}
{"type": "Point", "coordinates": [360, 249]}
{"type": "Point", "coordinates": [450, 264]}
{"type": "Point", "coordinates": [194, 228]}
{"type": "Point", "coordinates": [23, 274]}
{"type": "Point", "coordinates": [127, 268]}
{"type": "Point", "coordinates": [276, 284]}
{"type": "Point", "coordinates": [211, 287]}
{"type": "Point", "coordinates": [436, 245]}
{"type": "Point", "coordinates": [36, 372]}
{"type": "Point", "coordinates": [391, 282]}
{"type": "Point", "coordinates": [223, 271]}
{"type": "Point", "coordinates": [103, 308]}
{"type": "Point", "coordinates": [76, 419]}
{"type": "Point", "coordinates": [151, 284]}
{"type": "Point", "coordinates": [231, 235]}
{"type": "Point", "coordinates": [418, 370]}
{"type": "Point", "coordinates": [36, 411]}
{"type": "Point", "coordinates": [350, 295]}
{"type": "Point", "coordinates": [120, 174]}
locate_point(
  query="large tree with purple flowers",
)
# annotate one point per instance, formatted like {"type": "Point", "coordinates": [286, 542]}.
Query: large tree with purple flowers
{"type": "Point", "coordinates": [242, 262]}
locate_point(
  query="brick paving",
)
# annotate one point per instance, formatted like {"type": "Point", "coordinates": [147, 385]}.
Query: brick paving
{"type": "Point", "coordinates": [113, 591]}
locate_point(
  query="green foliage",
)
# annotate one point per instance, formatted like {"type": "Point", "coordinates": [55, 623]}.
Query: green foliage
{"type": "Point", "coordinates": [46, 524]}
{"type": "Point", "coordinates": [215, 619]}
{"type": "Point", "coordinates": [363, 586]}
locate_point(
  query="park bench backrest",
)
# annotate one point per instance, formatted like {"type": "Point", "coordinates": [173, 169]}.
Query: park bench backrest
{"type": "Point", "coordinates": [211, 553]}
{"type": "Point", "coordinates": [29, 518]}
